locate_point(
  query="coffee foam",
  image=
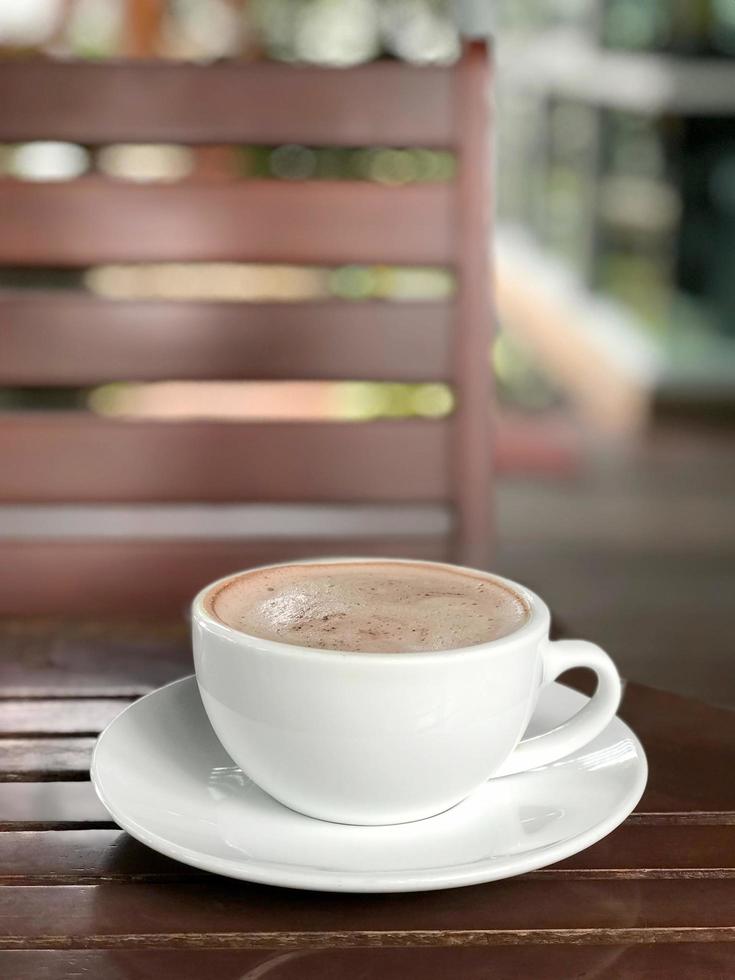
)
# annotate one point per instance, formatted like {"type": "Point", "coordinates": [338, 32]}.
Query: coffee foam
{"type": "Point", "coordinates": [369, 606]}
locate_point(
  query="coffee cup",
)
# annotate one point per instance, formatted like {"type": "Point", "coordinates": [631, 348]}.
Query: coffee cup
{"type": "Point", "coordinates": [383, 737]}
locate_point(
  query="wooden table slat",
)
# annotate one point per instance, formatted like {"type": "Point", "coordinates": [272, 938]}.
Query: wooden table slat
{"type": "Point", "coordinates": [84, 856]}
{"type": "Point", "coordinates": [224, 913]}
{"type": "Point", "coordinates": [61, 716]}
{"type": "Point", "coordinates": [51, 656]}
{"type": "Point", "coordinates": [705, 961]}
{"type": "Point", "coordinates": [690, 747]}
{"type": "Point", "coordinates": [34, 759]}
{"type": "Point", "coordinates": [50, 805]}
{"type": "Point", "coordinates": [74, 801]}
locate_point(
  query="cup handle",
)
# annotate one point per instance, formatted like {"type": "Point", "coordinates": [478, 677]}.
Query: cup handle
{"type": "Point", "coordinates": [588, 722]}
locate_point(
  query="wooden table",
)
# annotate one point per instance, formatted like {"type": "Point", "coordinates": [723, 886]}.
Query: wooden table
{"type": "Point", "coordinates": [654, 899]}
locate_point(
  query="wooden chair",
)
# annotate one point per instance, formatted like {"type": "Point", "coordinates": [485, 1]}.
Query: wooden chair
{"type": "Point", "coordinates": [67, 338]}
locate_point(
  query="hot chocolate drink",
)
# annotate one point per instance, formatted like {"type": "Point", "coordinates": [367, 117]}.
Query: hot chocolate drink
{"type": "Point", "coordinates": [369, 606]}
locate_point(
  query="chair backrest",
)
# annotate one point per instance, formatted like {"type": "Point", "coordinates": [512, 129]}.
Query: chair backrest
{"type": "Point", "coordinates": [92, 559]}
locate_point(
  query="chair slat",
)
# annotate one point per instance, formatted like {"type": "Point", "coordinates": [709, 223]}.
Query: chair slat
{"type": "Point", "coordinates": [473, 470]}
{"type": "Point", "coordinates": [223, 522]}
{"type": "Point", "coordinates": [63, 338]}
{"type": "Point", "coordinates": [383, 103]}
{"type": "Point", "coordinates": [93, 220]}
{"type": "Point", "coordinates": [79, 457]}
{"type": "Point", "coordinates": [100, 577]}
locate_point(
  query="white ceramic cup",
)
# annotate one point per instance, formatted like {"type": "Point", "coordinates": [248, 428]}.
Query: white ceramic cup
{"type": "Point", "coordinates": [379, 738]}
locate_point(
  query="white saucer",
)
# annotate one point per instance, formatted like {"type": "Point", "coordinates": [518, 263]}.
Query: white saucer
{"type": "Point", "coordinates": [164, 777]}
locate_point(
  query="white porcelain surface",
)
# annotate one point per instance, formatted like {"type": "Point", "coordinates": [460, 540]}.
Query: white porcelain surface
{"type": "Point", "coordinates": [163, 775]}
{"type": "Point", "coordinates": [379, 738]}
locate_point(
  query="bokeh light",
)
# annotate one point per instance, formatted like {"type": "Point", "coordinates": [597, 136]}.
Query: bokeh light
{"type": "Point", "coordinates": [48, 161]}
{"type": "Point", "coordinates": [144, 162]}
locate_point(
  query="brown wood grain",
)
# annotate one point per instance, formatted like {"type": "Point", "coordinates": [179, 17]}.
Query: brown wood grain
{"type": "Point", "coordinates": [674, 961]}
{"type": "Point", "coordinates": [241, 102]}
{"type": "Point", "coordinates": [88, 856]}
{"type": "Point", "coordinates": [63, 338]}
{"type": "Point", "coordinates": [98, 577]}
{"type": "Point", "coordinates": [690, 747]}
{"type": "Point", "coordinates": [639, 849]}
{"type": "Point", "coordinates": [81, 458]}
{"type": "Point", "coordinates": [222, 913]}
{"type": "Point", "coordinates": [49, 805]}
{"type": "Point", "coordinates": [84, 856]}
{"type": "Point", "coordinates": [33, 759]}
{"type": "Point", "coordinates": [681, 818]}
{"type": "Point", "coordinates": [59, 716]}
{"type": "Point", "coordinates": [93, 220]}
{"type": "Point", "coordinates": [111, 657]}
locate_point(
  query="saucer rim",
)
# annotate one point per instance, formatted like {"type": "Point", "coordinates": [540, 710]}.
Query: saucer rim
{"type": "Point", "coordinates": [310, 878]}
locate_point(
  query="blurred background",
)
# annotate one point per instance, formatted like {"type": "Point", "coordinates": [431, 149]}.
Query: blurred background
{"type": "Point", "coordinates": [614, 246]}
